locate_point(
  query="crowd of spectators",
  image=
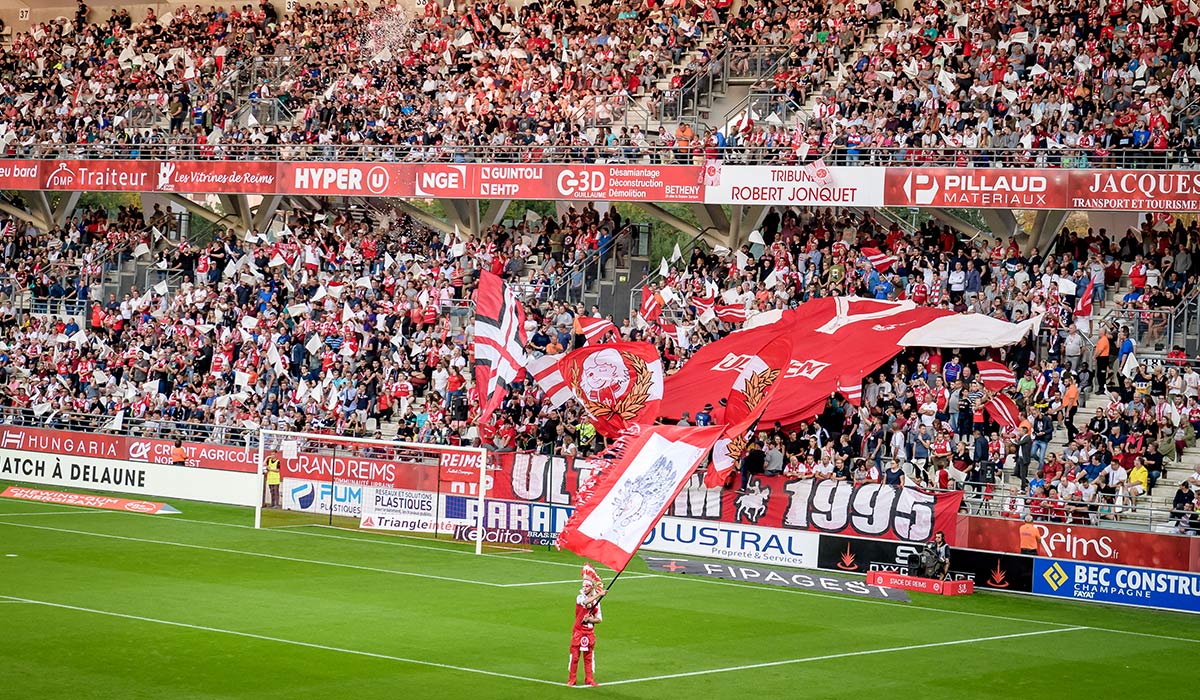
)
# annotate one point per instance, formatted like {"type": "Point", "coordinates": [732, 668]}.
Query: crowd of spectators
{"type": "Point", "coordinates": [974, 82]}
{"type": "Point", "coordinates": [339, 324]}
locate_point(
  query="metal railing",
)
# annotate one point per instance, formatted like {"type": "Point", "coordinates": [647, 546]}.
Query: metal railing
{"type": "Point", "coordinates": [1119, 512]}
{"type": "Point", "coordinates": [749, 63]}
{"type": "Point", "coordinates": [653, 275]}
{"type": "Point", "coordinates": [1148, 328]}
{"type": "Point", "coordinates": [697, 92]}
{"type": "Point", "coordinates": [578, 153]}
{"type": "Point", "coordinates": [592, 266]}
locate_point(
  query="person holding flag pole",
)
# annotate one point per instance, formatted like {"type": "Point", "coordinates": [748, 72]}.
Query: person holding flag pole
{"type": "Point", "coordinates": [583, 634]}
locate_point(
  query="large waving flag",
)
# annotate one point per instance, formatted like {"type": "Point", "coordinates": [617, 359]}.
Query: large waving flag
{"type": "Point", "coordinates": [748, 399]}
{"type": "Point", "coordinates": [879, 260]}
{"type": "Point", "coordinates": [632, 494]}
{"type": "Point", "coordinates": [995, 376]}
{"type": "Point", "coordinates": [594, 329]}
{"type": "Point", "coordinates": [618, 384]}
{"type": "Point", "coordinates": [1004, 410]}
{"type": "Point", "coordinates": [499, 341]}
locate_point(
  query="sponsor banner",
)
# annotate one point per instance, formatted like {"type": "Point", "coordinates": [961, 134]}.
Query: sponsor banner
{"type": "Point", "coordinates": [124, 476]}
{"type": "Point", "coordinates": [469, 533]}
{"type": "Point", "coordinates": [992, 570]}
{"type": "Point", "coordinates": [791, 185]}
{"type": "Point", "coordinates": [462, 469]}
{"type": "Point", "coordinates": [773, 577]}
{"type": "Point", "coordinates": [866, 510]}
{"type": "Point", "coordinates": [1135, 190]}
{"type": "Point", "coordinates": [866, 186]}
{"type": "Point", "coordinates": [889, 579]}
{"type": "Point", "coordinates": [640, 183]}
{"type": "Point", "coordinates": [1121, 585]}
{"type": "Point", "coordinates": [385, 501]}
{"type": "Point", "coordinates": [762, 545]}
{"type": "Point", "coordinates": [77, 444]}
{"type": "Point", "coordinates": [398, 523]}
{"type": "Point", "coordinates": [637, 183]}
{"type": "Point", "coordinates": [322, 497]}
{"type": "Point", "coordinates": [976, 188]}
{"type": "Point", "coordinates": [362, 179]}
{"type": "Point", "coordinates": [63, 498]}
{"type": "Point", "coordinates": [217, 177]}
{"type": "Point", "coordinates": [1104, 545]}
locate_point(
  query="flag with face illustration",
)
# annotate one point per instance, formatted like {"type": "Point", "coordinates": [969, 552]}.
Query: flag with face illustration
{"type": "Point", "coordinates": [618, 384]}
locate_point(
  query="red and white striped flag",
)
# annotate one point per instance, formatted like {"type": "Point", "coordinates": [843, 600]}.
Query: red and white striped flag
{"type": "Point", "coordinates": [7, 229]}
{"type": "Point", "coordinates": [1004, 410]}
{"type": "Point", "coordinates": [995, 376]}
{"type": "Point", "coordinates": [595, 329]}
{"type": "Point", "coordinates": [879, 260]}
{"type": "Point", "coordinates": [631, 495]}
{"type": "Point", "coordinates": [500, 340]}
{"type": "Point", "coordinates": [731, 313]}
{"type": "Point", "coordinates": [549, 379]}
{"type": "Point", "coordinates": [651, 305]}
{"type": "Point", "coordinates": [1083, 305]}
{"type": "Point", "coordinates": [850, 386]}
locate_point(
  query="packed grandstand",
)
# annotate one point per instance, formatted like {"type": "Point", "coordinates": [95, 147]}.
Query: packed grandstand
{"type": "Point", "coordinates": [332, 321]}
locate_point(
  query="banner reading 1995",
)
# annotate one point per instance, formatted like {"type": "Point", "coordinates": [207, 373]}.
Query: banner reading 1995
{"type": "Point", "coordinates": [1121, 585]}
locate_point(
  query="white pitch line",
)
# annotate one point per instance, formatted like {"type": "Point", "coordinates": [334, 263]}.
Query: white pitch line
{"type": "Point", "coordinates": [844, 655]}
{"type": "Point", "coordinates": [280, 640]}
{"type": "Point", "coordinates": [264, 555]}
{"type": "Point", "coordinates": [56, 512]}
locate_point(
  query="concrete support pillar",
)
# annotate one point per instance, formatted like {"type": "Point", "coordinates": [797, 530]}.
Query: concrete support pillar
{"type": "Point", "coordinates": [464, 213]}
{"type": "Point", "coordinates": [237, 207]}
{"type": "Point", "coordinates": [423, 216]}
{"type": "Point", "coordinates": [1046, 226]}
{"type": "Point", "coordinates": [494, 213]}
{"type": "Point", "coordinates": [65, 207]}
{"type": "Point", "coordinates": [265, 211]}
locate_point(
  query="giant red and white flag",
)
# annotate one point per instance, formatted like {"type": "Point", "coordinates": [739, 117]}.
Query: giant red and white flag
{"type": "Point", "coordinates": [631, 495]}
{"type": "Point", "coordinates": [831, 338]}
{"type": "Point", "coordinates": [748, 398]}
{"type": "Point", "coordinates": [617, 383]}
{"type": "Point", "coordinates": [550, 380]}
{"type": "Point", "coordinates": [499, 341]}
{"type": "Point", "coordinates": [594, 329]}
{"type": "Point", "coordinates": [995, 376]}
{"type": "Point", "coordinates": [1083, 305]}
{"type": "Point", "coordinates": [879, 260]}
{"type": "Point", "coordinates": [1004, 411]}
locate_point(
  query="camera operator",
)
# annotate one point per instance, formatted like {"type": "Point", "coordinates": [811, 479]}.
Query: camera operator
{"type": "Point", "coordinates": [941, 557]}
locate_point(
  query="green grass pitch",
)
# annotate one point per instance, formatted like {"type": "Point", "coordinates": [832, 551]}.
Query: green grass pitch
{"type": "Point", "coordinates": [98, 604]}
